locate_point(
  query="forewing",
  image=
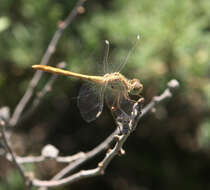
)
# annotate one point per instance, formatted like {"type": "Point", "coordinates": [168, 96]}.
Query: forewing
{"type": "Point", "coordinates": [90, 101]}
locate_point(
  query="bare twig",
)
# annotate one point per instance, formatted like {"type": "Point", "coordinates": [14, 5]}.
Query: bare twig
{"type": "Point", "coordinates": [130, 122]}
{"type": "Point", "coordinates": [166, 94]}
{"type": "Point", "coordinates": [86, 173]}
{"type": "Point", "coordinates": [37, 159]}
{"type": "Point", "coordinates": [68, 180]}
{"type": "Point", "coordinates": [40, 96]}
{"type": "Point", "coordinates": [44, 61]}
{"type": "Point", "coordinates": [134, 119]}
{"type": "Point", "coordinates": [111, 153]}
{"type": "Point", "coordinates": [9, 150]}
{"type": "Point", "coordinates": [172, 85]}
{"type": "Point", "coordinates": [89, 155]}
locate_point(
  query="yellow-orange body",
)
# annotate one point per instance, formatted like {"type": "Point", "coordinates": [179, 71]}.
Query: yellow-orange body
{"type": "Point", "coordinates": [109, 78]}
{"type": "Point", "coordinates": [119, 88]}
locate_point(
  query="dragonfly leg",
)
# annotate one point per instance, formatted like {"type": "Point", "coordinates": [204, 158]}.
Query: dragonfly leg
{"type": "Point", "coordinates": [141, 99]}
{"type": "Point", "coordinates": [122, 118]}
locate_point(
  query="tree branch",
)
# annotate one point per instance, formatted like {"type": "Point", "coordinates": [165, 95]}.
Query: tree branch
{"type": "Point", "coordinates": [9, 150]}
{"type": "Point", "coordinates": [124, 121]}
{"type": "Point", "coordinates": [130, 123]}
{"type": "Point", "coordinates": [41, 158]}
{"type": "Point", "coordinates": [172, 85]}
{"type": "Point", "coordinates": [44, 61]}
{"type": "Point", "coordinates": [40, 96]}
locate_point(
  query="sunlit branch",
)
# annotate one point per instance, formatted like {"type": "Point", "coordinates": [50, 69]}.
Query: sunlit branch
{"type": "Point", "coordinates": [135, 116]}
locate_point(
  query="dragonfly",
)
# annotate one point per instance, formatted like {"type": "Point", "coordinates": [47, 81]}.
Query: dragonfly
{"type": "Point", "coordinates": [112, 87]}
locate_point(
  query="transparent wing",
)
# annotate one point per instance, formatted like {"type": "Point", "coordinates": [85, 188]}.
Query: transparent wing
{"type": "Point", "coordinates": [90, 101]}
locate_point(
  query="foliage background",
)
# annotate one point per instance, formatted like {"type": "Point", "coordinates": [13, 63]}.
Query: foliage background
{"type": "Point", "coordinates": [170, 148]}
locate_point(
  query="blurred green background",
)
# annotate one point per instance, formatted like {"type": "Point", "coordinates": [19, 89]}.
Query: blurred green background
{"type": "Point", "coordinates": [170, 148]}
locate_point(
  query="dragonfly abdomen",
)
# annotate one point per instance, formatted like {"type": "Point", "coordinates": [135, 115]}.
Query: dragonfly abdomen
{"type": "Point", "coordinates": [96, 79]}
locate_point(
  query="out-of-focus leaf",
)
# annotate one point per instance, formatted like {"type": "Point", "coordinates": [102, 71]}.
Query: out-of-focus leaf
{"type": "Point", "coordinates": [4, 23]}
{"type": "Point", "coordinates": [204, 134]}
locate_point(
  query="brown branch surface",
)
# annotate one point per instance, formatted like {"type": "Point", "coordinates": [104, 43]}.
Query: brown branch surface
{"type": "Point", "coordinates": [77, 160]}
{"type": "Point", "coordinates": [38, 159]}
{"type": "Point", "coordinates": [126, 123]}
{"type": "Point", "coordinates": [135, 116]}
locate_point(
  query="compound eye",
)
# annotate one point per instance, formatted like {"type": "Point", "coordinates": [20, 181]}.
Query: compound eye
{"type": "Point", "coordinates": [136, 87]}
{"type": "Point", "coordinates": [135, 91]}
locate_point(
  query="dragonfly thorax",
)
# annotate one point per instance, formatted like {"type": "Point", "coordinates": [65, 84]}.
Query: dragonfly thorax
{"type": "Point", "coordinates": [116, 81]}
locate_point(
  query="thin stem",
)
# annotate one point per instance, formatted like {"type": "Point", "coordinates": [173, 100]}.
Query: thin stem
{"type": "Point", "coordinates": [135, 116]}
{"type": "Point", "coordinates": [44, 61]}
{"type": "Point", "coordinates": [38, 159]}
{"type": "Point", "coordinates": [91, 172]}
{"type": "Point", "coordinates": [9, 150]}
{"type": "Point", "coordinates": [86, 173]}
{"type": "Point", "coordinates": [40, 96]}
{"type": "Point", "coordinates": [172, 85]}
{"type": "Point", "coordinates": [88, 156]}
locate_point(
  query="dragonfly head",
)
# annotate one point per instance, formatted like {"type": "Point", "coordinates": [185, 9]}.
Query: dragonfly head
{"type": "Point", "coordinates": [135, 87]}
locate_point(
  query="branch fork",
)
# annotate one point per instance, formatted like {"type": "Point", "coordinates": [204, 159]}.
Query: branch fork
{"type": "Point", "coordinates": [128, 124]}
